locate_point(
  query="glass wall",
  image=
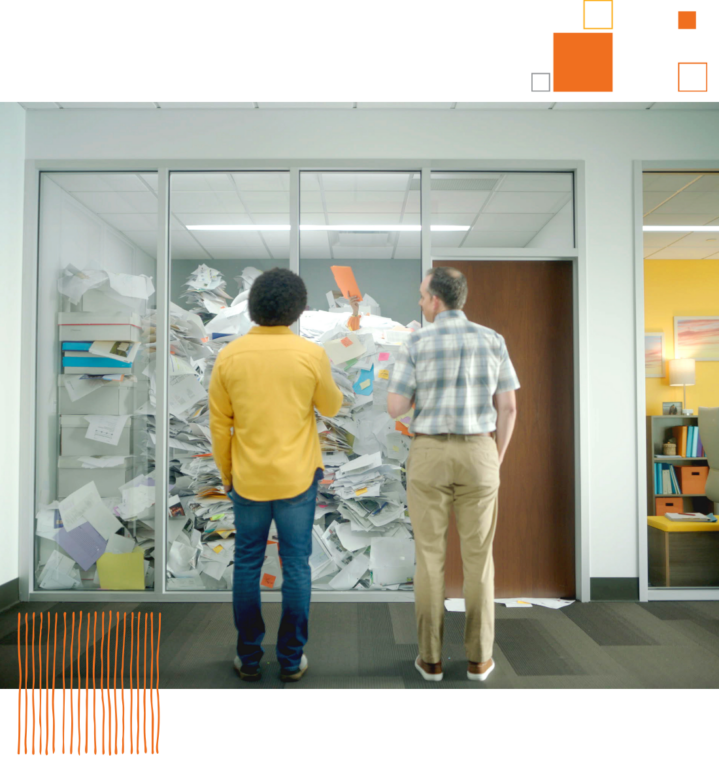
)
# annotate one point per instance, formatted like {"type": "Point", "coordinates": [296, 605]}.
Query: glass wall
{"type": "Point", "coordinates": [95, 459]}
{"type": "Point", "coordinates": [370, 223]}
{"type": "Point", "coordinates": [681, 327]}
{"type": "Point", "coordinates": [502, 210]}
{"type": "Point", "coordinates": [225, 229]}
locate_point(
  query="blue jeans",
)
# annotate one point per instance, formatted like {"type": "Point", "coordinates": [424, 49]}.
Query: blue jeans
{"type": "Point", "coordinates": [294, 519]}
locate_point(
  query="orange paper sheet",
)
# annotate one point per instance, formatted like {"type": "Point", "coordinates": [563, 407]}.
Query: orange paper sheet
{"type": "Point", "coordinates": [345, 279]}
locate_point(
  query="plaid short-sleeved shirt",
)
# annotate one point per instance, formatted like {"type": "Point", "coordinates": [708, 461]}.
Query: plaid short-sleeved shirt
{"type": "Point", "coordinates": [453, 368]}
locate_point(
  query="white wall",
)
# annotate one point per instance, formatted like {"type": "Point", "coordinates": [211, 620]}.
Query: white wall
{"type": "Point", "coordinates": [607, 141]}
{"type": "Point", "coordinates": [12, 157]}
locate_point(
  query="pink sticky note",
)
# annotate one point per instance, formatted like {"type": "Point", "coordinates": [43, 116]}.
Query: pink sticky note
{"type": "Point", "coordinates": [383, 356]}
{"type": "Point", "coordinates": [346, 341]}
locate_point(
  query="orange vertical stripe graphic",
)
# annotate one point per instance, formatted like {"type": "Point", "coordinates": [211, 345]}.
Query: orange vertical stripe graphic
{"type": "Point", "coordinates": [27, 680]}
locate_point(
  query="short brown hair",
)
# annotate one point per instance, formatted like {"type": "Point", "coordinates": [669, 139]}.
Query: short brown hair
{"type": "Point", "coordinates": [449, 285]}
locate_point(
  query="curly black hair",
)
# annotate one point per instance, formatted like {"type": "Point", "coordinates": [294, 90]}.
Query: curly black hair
{"type": "Point", "coordinates": [277, 297]}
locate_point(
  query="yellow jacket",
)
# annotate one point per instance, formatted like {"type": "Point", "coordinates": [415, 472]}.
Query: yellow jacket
{"type": "Point", "coordinates": [265, 386]}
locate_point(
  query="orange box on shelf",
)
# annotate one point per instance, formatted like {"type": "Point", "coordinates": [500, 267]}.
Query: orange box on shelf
{"type": "Point", "coordinates": [693, 480]}
{"type": "Point", "coordinates": [665, 505]}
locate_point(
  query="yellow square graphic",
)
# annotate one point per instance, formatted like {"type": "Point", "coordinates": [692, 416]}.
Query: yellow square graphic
{"type": "Point", "coordinates": [598, 14]}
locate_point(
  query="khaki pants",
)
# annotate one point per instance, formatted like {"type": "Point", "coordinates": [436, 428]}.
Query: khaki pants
{"type": "Point", "coordinates": [460, 471]}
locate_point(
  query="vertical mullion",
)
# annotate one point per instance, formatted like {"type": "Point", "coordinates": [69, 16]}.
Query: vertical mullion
{"type": "Point", "coordinates": [295, 227]}
{"type": "Point", "coordinates": [161, 377]}
{"type": "Point", "coordinates": [425, 186]}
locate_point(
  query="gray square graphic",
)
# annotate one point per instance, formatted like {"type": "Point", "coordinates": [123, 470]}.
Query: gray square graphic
{"type": "Point", "coordinates": [541, 81]}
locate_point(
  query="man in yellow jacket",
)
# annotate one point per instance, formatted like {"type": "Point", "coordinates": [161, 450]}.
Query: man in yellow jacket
{"type": "Point", "coordinates": [263, 392]}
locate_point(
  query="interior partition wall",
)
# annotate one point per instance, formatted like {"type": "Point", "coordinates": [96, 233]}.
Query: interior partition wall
{"type": "Point", "coordinates": [148, 228]}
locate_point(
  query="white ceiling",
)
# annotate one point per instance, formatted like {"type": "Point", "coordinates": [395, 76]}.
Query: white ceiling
{"type": "Point", "coordinates": [364, 105]}
{"type": "Point", "coordinates": [500, 209]}
{"type": "Point", "coordinates": [681, 199]}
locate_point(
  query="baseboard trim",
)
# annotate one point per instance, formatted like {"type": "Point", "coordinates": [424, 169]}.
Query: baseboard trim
{"type": "Point", "coordinates": [9, 594]}
{"type": "Point", "coordinates": [614, 589]}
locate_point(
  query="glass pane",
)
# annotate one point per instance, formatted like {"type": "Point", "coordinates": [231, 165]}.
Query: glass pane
{"type": "Point", "coordinates": [502, 210]}
{"type": "Point", "coordinates": [95, 514]}
{"type": "Point", "coordinates": [370, 222]}
{"type": "Point", "coordinates": [225, 228]}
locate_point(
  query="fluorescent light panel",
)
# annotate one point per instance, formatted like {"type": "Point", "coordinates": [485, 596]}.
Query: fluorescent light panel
{"type": "Point", "coordinates": [680, 229]}
{"type": "Point", "coordinates": [326, 228]}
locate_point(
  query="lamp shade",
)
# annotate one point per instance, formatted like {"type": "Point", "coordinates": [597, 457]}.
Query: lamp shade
{"type": "Point", "coordinates": [682, 372]}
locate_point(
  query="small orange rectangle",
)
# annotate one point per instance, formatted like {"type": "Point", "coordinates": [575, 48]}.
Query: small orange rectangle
{"type": "Point", "coordinates": [692, 77]}
{"type": "Point", "coordinates": [583, 62]}
{"type": "Point", "coordinates": [268, 580]}
{"type": "Point", "coordinates": [713, 76]}
{"type": "Point", "coordinates": [687, 19]}
{"type": "Point", "coordinates": [346, 342]}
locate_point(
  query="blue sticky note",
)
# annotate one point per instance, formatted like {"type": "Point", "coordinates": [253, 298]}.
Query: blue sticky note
{"type": "Point", "coordinates": [360, 387]}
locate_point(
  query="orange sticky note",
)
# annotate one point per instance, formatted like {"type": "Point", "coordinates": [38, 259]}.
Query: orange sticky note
{"type": "Point", "coordinates": [345, 279]}
{"type": "Point", "coordinates": [347, 342]}
{"type": "Point", "coordinates": [400, 427]}
{"type": "Point", "coordinates": [217, 549]}
{"type": "Point", "coordinates": [268, 581]}
{"type": "Point", "coordinates": [383, 374]}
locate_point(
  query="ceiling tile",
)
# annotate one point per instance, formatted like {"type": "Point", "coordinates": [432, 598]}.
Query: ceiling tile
{"type": "Point", "coordinates": [536, 182]}
{"type": "Point", "coordinates": [684, 252]}
{"type": "Point", "coordinates": [660, 219]}
{"type": "Point", "coordinates": [206, 104]}
{"type": "Point", "coordinates": [686, 105]}
{"type": "Point", "coordinates": [525, 202]}
{"type": "Point", "coordinates": [676, 256]}
{"type": "Point", "coordinates": [486, 239]}
{"type": "Point", "coordinates": [668, 182]}
{"type": "Point", "coordinates": [306, 104]}
{"type": "Point", "coordinates": [508, 222]}
{"type": "Point", "coordinates": [504, 104]}
{"type": "Point", "coordinates": [39, 104]}
{"type": "Point", "coordinates": [603, 105]}
{"type": "Point", "coordinates": [107, 105]}
{"type": "Point", "coordinates": [405, 104]}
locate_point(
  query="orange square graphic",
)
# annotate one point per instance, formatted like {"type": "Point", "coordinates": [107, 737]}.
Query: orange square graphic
{"type": "Point", "coordinates": [687, 19]}
{"type": "Point", "coordinates": [713, 76]}
{"type": "Point", "coordinates": [268, 580]}
{"type": "Point", "coordinates": [583, 61]}
{"type": "Point", "coordinates": [693, 77]}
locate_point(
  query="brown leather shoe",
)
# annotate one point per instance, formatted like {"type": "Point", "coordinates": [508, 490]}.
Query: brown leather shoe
{"type": "Point", "coordinates": [430, 672]}
{"type": "Point", "coordinates": [479, 671]}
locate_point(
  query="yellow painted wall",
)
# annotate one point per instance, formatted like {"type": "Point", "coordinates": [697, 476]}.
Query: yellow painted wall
{"type": "Point", "coordinates": [680, 288]}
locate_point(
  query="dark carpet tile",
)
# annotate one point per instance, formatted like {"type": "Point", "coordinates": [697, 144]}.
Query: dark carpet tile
{"type": "Point", "coordinates": [704, 633]}
{"type": "Point", "coordinates": [532, 650]}
{"type": "Point", "coordinates": [663, 666]}
{"type": "Point", "coordinates": [404, 624]}
{"type": "Point", "coordinates": [606, 624]}
{"type": "Point", "coordinates": [671, 611]}
{"type": "Point", "coordinates": [314, 681]}
{"type": "Point", "coordinates": [333, 645]}
{"type": "Point", "coordinates": [378, 654]}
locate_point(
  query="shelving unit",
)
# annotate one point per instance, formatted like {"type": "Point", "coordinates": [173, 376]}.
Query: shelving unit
{"type": "Point", "coordinates": [659, 430]}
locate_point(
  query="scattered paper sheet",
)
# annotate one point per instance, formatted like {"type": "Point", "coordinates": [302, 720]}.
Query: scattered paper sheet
{"type": "Point", "coordinates": [45, 524]}
{"type": "Point", "coordinates": [392, 560]}
{"type": "Point", "coordinates": [132, 286]}
{"type": "Point", "coordinates": [347, 348]}
{"type": "Point", "coordinates": [106, 429]}
{"type": "Point", "coordinates": [84, 544]}
{"type": "Point", "coordinates": [119, 545]}
{"type": "Point", "coordinates": [354, 540]}
{"type": "Point", "coordinates": [60, 572]}
{"type": "Point", "coordinates": [123, 351]}
{"type": "Point", "coordinates": [124, 571]}
{"type": "Point", "coordinates": [457, 604]}
{"type": "Point", "coordinates": [183, 393]}
{"type": "Point", "coordinates": [80, 505]}
{"type": "Point", "coordinates": [351, 574]}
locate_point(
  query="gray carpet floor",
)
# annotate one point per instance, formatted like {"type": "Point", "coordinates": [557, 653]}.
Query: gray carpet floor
{"type": "Point", "coordinates": [373, 645]}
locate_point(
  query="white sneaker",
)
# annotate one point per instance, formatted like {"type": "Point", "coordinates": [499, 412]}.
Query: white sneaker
{"type": "Point", "coordinates": [477, 676]}
{"type": "Point", "coordinates": [293, 677]}
{"type": "Point", "coordinates": [250, 675]}
{"type": "Point", "coordinates": [431, 677]}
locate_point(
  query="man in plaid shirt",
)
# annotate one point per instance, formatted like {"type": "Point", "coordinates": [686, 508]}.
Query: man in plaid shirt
{"type": "Point", "coordinates": [460, 379]}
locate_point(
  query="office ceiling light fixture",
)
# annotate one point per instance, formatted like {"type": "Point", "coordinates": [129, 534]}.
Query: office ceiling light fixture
{"type": "Point", "coordinates": [681, 229]}
{"type": "Point", "coordinates": [326, 227]}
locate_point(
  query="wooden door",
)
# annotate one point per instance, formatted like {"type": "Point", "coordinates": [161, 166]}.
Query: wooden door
{"type": "Point", "coordinates": [530, 304]}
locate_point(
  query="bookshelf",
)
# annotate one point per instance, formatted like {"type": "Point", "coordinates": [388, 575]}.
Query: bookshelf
{"type": "Point", "coordinates": [659, 430]}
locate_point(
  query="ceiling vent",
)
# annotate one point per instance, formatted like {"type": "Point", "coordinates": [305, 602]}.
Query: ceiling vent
{"type": "Point", "coordinates": [360, 239]}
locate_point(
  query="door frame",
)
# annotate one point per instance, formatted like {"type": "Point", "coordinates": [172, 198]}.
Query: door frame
{"type": "Point", "coordinates": [647, 593]}
{"type": "Point", "coordinates": [423, 166]}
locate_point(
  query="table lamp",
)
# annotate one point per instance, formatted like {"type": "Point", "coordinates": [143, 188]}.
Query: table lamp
{"type": "Point", "coordinates": [682, 372]}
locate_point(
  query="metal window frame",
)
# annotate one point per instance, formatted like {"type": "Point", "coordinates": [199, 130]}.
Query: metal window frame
{"type": "Point", "coordinates": [646, 592]}
{"type": "Point", "coordinates": [33, 169]}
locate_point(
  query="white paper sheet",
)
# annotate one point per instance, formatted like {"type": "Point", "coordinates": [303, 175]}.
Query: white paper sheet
{"type": "Point", "coordinates": [119, 545]}
{"type": "Point", "coordinates": [101, 462]}
{"type": "Point", "coordinates": [123, 351]}
{"type": "Point", "coordinates": [60, 572]}
{"type": "Point", "coordinates": [79, 506]}
{"type": "Point", "coordinates": [132, 286]}
{"type": "Point", "coordinates": [354, 540]}
{"type": "Point", "coordinates": [106, 429]}
{"type": "Point", "coordinates": [183, 393]}
{"type": "Point", "coordinates": [351, 574]}
{"type": "Point", "coordinates": [392, 560]}
{"type": "Point", "coordinates": [77, 387]}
